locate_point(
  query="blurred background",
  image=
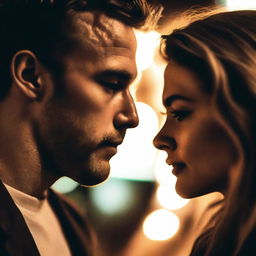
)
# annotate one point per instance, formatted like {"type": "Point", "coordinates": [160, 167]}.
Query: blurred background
{"type": "Point", "coordinates": [137, 212]}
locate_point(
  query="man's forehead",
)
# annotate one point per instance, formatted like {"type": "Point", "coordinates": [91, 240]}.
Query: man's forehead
{"type": "Point", "coordinates": [98, 43]}
{"type": "Point", "coordinates": [99, 30]}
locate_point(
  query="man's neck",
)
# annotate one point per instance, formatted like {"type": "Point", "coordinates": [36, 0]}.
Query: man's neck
{"type": "Point", "coordinates": [20, 165]}
{"type": "Point", "coordinates": [20, 160]}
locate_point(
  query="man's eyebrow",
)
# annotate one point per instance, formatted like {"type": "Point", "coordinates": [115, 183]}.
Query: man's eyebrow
{"type": "Point", "coordinates": [169, 100]}
{"type": "Point", "coordinates": [123, 75]}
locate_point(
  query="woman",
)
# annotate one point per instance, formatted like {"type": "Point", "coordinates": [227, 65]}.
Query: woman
{"type": "Point", "coordinates": [210, 129]}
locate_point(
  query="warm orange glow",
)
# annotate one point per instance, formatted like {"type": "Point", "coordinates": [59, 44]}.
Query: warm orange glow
{"type": "Point", "coordinates": [161, 225]}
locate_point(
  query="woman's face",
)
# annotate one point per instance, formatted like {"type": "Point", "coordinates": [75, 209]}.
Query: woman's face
{"type": "Point", "coordinates": [198, 147]}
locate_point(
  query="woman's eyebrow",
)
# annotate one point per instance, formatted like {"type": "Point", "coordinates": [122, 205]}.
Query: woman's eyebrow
{"type": "Point", "coordinates": [170, 99]}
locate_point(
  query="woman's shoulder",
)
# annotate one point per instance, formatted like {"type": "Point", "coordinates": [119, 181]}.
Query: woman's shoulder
{"type": "Point", "coordinates": [200, 246]}
{"type": "Point", "coordinates": [249, 246]}
{"type": "Point", "coordinates": [201, 243]}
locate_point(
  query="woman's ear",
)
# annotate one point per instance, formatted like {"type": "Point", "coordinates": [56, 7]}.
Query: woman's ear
{"type": "Point", "coordinates": [25, 71]}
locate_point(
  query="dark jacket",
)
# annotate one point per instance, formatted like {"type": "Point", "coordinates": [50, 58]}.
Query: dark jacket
{"type": "Point", "coordinates": [16, 239]}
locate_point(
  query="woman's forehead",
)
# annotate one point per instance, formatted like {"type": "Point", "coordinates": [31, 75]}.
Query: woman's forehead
{"type": "Point", "coordinates": [180, 79]}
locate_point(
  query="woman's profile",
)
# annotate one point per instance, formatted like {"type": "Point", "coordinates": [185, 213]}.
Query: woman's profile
{"type": "Point", "coordinates": [210, 129]}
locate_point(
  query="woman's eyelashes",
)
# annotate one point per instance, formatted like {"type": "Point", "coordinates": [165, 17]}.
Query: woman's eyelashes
{"type": "Point", "coordinates": [180, 115]}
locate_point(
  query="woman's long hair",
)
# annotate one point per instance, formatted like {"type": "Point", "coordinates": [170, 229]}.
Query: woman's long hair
{"type": "Point", "coordinates": [221, 49]}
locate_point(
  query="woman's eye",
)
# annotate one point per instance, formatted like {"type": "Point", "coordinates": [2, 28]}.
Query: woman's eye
{"type": "Point", "coordinates": [180, 114]}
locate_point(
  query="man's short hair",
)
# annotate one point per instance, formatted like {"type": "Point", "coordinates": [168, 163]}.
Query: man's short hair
{"type": "Point", "coordinates": [36, 25]}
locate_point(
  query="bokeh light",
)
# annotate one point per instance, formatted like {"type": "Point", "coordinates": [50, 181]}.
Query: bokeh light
{"type": "Point", "coordinates": [240, 4]}
{"type": "Point", "coordinates": [136, 155]}
{"type": "Point", "coordinates": [169, 199]}
{"type": "Point", "coordinates": [64, 185]}
{"type": "Point", "coordinates": [147, 44]}
{"type": "Point", "coordinates": [113, 197]}
{"type": "Point", "coordinates": [161, 225]}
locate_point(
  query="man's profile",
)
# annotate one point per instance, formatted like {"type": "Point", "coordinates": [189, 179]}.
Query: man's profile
{"type": "Point", "coordinates": [65, 105]}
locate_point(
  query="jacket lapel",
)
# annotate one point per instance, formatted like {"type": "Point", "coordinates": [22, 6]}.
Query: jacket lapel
{"type": "Point", "coordinates": [15, 237]}
{"type": "Point", "coordinates": [74, 225]}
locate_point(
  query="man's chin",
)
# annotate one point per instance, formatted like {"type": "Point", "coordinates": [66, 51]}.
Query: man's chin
{"type": "Point", "coordinates": [94, 181]}
{"type": "Point", "coordinates": [94, 176]}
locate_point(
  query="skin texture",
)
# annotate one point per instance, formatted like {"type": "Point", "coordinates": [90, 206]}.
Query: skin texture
{"type": "Point", "coordinates": [73, 130]}
{"type": "Point", "coordinates": [193, 136]}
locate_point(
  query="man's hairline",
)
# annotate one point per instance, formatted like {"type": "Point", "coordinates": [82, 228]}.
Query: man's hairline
{"type": "Point", "coordinates": [76, 36]}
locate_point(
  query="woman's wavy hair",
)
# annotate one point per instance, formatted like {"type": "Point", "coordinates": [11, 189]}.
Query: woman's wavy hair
{"type": "Point", "coordinates": [39, 26]}
{"type": "Point", "coordinates": [221, 50]}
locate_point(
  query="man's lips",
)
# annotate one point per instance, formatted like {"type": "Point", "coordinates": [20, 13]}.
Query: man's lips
{"type": "Point", "coordinates": [109, 147]}
{"type": "Point", "coordinates": [111, 143]}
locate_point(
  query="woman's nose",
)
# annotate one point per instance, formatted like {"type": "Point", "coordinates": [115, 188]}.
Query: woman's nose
{"type": "Point", "coordinates": [164, 142]}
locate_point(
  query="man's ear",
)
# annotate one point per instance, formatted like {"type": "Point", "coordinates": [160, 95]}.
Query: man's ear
{"type": "Point", "coordinates": [26, 74]}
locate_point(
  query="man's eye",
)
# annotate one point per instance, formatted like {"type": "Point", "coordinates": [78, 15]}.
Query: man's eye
{"type": "Point", "coordinates": [113, 86]}
{"type": "Point", "coordinates": [180, 114]}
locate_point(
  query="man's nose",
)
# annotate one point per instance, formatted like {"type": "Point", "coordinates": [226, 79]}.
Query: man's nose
{"type": "Point", "coordinates": [127, 117]}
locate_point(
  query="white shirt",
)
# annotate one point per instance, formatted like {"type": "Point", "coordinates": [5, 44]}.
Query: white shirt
{"type": "Point", "coordinates": [42, 223]}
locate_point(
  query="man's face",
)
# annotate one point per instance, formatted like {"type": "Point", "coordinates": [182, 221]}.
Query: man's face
{"type": "Point", "coordinates": [80, 127]}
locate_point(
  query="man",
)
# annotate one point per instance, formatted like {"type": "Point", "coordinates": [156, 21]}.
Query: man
{"type": "Point", "coordinates": [65, 70]}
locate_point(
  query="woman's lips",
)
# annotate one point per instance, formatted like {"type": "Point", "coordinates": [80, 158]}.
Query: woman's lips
{"type": "Point", "coordinates": [178, 167]}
